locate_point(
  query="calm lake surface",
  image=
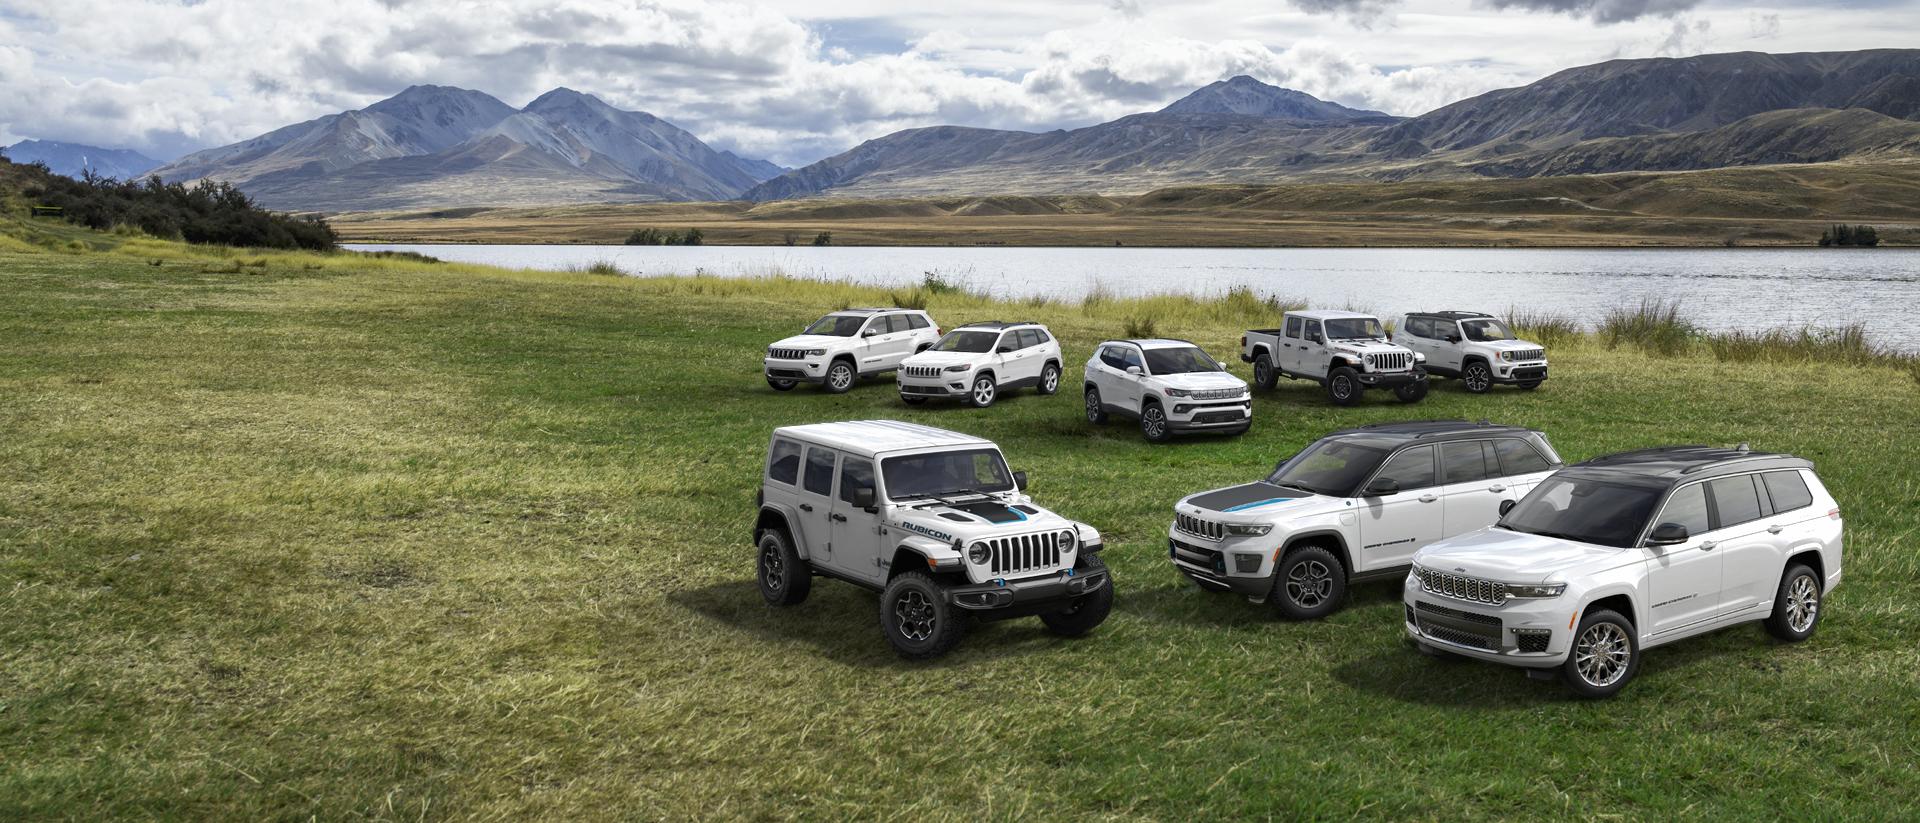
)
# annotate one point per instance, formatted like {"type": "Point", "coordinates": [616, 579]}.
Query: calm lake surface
{"type": "Point", "coordinates": [1720, 288]}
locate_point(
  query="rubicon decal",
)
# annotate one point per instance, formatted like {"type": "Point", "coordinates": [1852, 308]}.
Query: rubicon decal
{"type": "Point", "coordinates": [933, 533]}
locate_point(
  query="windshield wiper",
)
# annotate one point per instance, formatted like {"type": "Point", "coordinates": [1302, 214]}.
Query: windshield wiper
{"type": "Point", "coordinates": [1298, 487]}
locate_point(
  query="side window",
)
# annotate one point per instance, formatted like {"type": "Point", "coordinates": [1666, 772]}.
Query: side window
{"type": "Point", "coordinates": [1734, 500]}
{"type": "Point", "coordinates": [1517, 457]}
{"type": "Point", "coordinates": [1788, 490]}
{"type": "Point", "coordinates": [855, 474]}
{"type": "Point", "coordinates": [1110, 355]}
{"type": "Point", "coordinates": [1009, 341]}
{"type": "Point", "coordinates": [1294, 327]}
{"type": "Point", "coordinates": [1419, 327]}
{"type": "Point", "coordinates": [1313, 330]}
{"type": "Point", "coordinates": [917, 321]}
{"type": "Point", "coordinates": [819, 478]}
{"type": "Point", "coordinates": [898, 323]}
{"type": "Point", "coordinates": [783, 465]}
{"type": "Point", "coordinates": [1412, 469]}
{"type": "Point", "coordinates": [1464, 462]}
{"type": "Point", "coordinates": [1041, 337]}
{"type": "Point", "coordinates": [1131, 356]}
{"type": "Point", "coordinates": [1687, 507]}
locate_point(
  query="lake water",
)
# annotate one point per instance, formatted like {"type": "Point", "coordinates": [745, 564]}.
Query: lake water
{"type": "Point", "coordinates": [1719, 288]}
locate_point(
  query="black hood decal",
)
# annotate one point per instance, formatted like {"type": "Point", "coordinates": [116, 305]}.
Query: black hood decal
{"type": "Point", "coordinates": [992, 511]}
{"type": "Point", "coordinates": [1237, 497]}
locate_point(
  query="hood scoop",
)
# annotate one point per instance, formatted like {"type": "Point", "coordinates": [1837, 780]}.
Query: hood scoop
{"type": "Point", "coordinates": [991, 511]}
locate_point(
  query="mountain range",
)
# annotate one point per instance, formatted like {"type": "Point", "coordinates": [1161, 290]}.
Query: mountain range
{"type": "Point", "coordinates": [76, 159]}
{"type": "Point", "coordinates": [433, 146]}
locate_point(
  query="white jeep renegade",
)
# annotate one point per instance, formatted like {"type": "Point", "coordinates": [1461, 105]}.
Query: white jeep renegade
{"type": "Point", "coordinates": [1170, 386]}
{"type": "Point", "coordinates": [978, 361]}
{"type": "Point", "coordinates": [1353, 506]}
{"type": "Point", "coordinates": [844, 346]}
{"type": "Point", "coordinates": [1611, 557]}
{"type": "Point", "coordinates": [931, 519]}
{"type": "Point", "coordinates": [1477, 348]}
{"type": "Point", "coordinates": [1347, 352]}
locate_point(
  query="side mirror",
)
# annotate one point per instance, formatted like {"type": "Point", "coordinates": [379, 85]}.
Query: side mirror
{"type": "Point", "coordinates": [863, 499]}
{"type": "Point", "coordinates": [1135, 371]}
{"type": "Point", "coordinates": [1003, 350]}
{"type": "Point", "coordinates": [1315, 337]}
{"type": "Point", "coordinates": [869, 332]}
{"type": "Point", "coordinates": [1223, 366]}
{"type": "Point", "coordinates": [1453, 338]}
{"type": "Point", "coordinates": [1020, 480]}
{"type": "Point", "coordinates": [1668, 534]}
{"type": "Point", "coordinates": [1383, 486]}
{"type": "Point", "coordinates": [1507, 506]}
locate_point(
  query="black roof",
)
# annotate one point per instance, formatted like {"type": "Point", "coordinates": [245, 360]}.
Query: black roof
{"type": "Point", "coordinates": [1672, 465]}
{"type": "Point", "coordinates": [1450, 315]}
{"type": "Point", "coordinates": [996, 324]}
{"type": "Point", "coordinates": [1410, 430]}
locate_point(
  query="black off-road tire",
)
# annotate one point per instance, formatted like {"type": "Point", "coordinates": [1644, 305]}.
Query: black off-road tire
{"type": "Point", "coordinates": [1477, 376]}
{"type": "Point", "coordinates": [1343, 386]}
{"type": "Point", "coordinates": [1096, 413]}
{"type": "Point", "coordinates": [1608, 658]}
{"type": "Point", "coordinates": [917, 619]}
{"type": "Point", "coordinates": [1087, 612]}
{"type": "Point", "coordinates": [1796, 608]}
{"type": "Point", "coordinates": [841, 375]}
{"type": "Point", "coordinates": [1154, 425]}
{"type": "Point", "coordinates": [1050, 379]}
{"type": "Point", "coordinates": [1309, 583]}
{"type": "Point", "coordinates": [784, 578]}
{"type": "Point", "coordinates": [1264, 374]}
{"type": "Point", "coordinates": [1411, 392]}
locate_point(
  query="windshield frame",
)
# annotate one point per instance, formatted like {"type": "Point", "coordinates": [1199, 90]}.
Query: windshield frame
{"type": "Point", "coordinates": [1636, 539]}
{"type": "Point", "coordinates": [1146, 359]}
{"type": "Point", "coordinates": [885, 461]}
{"type": "Point", "coordinates": [1383, 455]}
{"type": "Point", "coordinates": [1495, 322]}
{"type": "Point", "coordinates": [992, 343]}
{"type": "Point", "coordinates": [836, 316]}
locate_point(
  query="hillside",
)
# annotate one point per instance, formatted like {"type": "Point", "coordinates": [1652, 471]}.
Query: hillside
{"type": "Point", "coordinates": [75, 159]}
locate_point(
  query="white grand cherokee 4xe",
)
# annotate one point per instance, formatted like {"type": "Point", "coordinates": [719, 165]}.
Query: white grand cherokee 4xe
{"type": "Point", "coordinates": [1355, 505]}
{"type": "Point", "coordinates": [1170, 386]}
{"type": "Point", "coordinates": [1477, 348]}
{"type": "Point", "coordinates": [977, 361]}
{"type": "Point", "coordinates": [1347, 352]}
{"type": "Point", "coordinates": [1614, 556]}
{"type": "Point", "coordinates": [932, 520]}
{"type": "Point", "coordinates": [844, 346]}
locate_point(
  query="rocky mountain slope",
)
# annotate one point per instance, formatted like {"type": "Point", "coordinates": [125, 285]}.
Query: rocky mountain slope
{"type": "Point", "coordinates": [75, 159]}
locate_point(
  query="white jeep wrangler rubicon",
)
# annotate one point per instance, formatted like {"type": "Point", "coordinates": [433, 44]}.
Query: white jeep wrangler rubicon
{"type": "Point", "coordinates": [1611, 557]}
{"type": "Point", "coordinates": [844, 346]}
{"type": "Point", "coordinates": [1170, 386]}
{"type": "Point", "coordinates": [1477, 348]}
{"type": "Point", "coordinates": [978, 361]}
{"type": "Point", "coordinates": [1347, 352]}
{"type": "Point", "coordinates": [1353, 506]}
{"type": "Point", "coordinates": [931, 519]}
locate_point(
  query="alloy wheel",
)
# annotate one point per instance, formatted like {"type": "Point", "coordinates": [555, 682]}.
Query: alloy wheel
{"type": "Point", "coordinates": [1309, 584]}
{"type": "Point", "coordinates": [1154, 421]}
{"type": "Point", "coordinates": [841, 376]}
{"type": "Point", "coordinates": [1050, 382]}
{"type": "Point", "coordinates": [1093, 405]}
{"type": "Point", "coordinates": [1342, 387]}
{"type": "Point", "coordinates": [1803, 603]}
{"type": "Point", "coordinates": [1602, 654]}
{"type": "Point", "coordinates": [773, 569]}
{"type": "Point", "coordinates": [1478, 379]}
{"type": "Point", "coordinates": [914, 615]}
{"type": "Point", "coordinates": [1262, 371]}
{"type": "Point", "coordinates": [983, 391]}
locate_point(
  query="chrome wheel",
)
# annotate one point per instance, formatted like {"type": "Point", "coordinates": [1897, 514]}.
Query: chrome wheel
{"type": "Point", "coordinates": [1602, 654]}
{"type": "Point", "coordinates": [1309, 584]}
{"type": "Point", "coordinates": [1153, 422]}
{"type": "Point", "coordinates": [840, 377]}
{"type": "Point", "coordinates": [1803, 603]}
{"type": "Point", "coordinates": [773, 569]}
{"type": "Point", "coordinates": [1050, 380]}
{"type": "Point", "coordinates": [1477, 378]}
{"type": "Point", "coordinates": [913, 616]}
{"type": "Point", "coordinates": [983, 391]}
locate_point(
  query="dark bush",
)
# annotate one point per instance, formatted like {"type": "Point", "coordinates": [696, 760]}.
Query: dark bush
{"type": "Point", "coordinates": [207, 212]}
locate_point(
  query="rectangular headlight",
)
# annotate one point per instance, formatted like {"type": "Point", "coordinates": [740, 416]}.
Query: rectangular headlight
{"type": "Point", "coordinates": [1248, 529]}
{"type": "Point", "coordinates": [1535, 590]}
{"type": "Point", "coordinates": [962, 367]}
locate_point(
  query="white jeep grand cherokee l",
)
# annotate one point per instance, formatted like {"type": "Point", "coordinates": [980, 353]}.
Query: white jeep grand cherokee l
{"type": "Point", "coordinates": [1477, 348]}
{"type": "Point", "coordinates": [844, 346]}
{"type": "Point", "coordinates": [1353, 506]}
{"type": "Point", "coordinates": [1170, 386]}
{"type": "Point", "coordinates": [932, 520]}
{"type": "Point", "coordinates": [1614, 556]}
{"type": "Point", "coordinates": [978, 361]}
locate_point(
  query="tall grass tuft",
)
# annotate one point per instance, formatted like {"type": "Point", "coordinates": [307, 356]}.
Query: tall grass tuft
{"type": "Point", "coordinates": [1546, 328]}
{"type": "Point", "coordinates": [1098, 295]}
{"type": "Point", "coordinates": [1654, 326]}
{"type": "Point", "coordinates": [914, 298]}
{"type": "Point", "coordinates": [1141, 326]}
{"type": "Point", "coordinates": [600, 267]}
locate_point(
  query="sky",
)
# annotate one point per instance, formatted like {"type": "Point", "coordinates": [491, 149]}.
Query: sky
{"type": "Point", "coordinates": [797, 81]}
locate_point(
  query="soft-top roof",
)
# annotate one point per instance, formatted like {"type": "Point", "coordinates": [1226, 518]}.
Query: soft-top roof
{"type": "Point", "coordinates": [1330, 314]}
{"type": "Point", "coordinates": [996, 324]}
{"type": "Point", "coordinates": [870, 437]}
{"type": "Point", "coordinates": [1673, 465]}
{"type": "Point", "coordinates": [1409, 430]}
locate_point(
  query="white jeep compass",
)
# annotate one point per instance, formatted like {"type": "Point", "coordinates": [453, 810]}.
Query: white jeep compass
{"type": "Point", "coordinates": [932, 520]}
{"type": "Point", "coordinates": [1614, 556]}
{"type": "Point", "coordinates": [1170, 386]}
{"type": "Point", "coordinates": [844, 346]}
{"type": "Point", "coordinates": [978, 361]}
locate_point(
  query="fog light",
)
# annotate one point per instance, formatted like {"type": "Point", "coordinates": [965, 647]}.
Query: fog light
{"type": "Point", "coordinates": [1246, 563]}
{"type": "Point", "coordinates": [1180, 408]}
{"type": "Point", "coordinates": [1532, 640]}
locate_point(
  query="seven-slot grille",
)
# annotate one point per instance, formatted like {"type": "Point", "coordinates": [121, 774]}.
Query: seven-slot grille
{"type": "Point", "coordinates": [1462, 588]}
{"type": "Point", "coordinates": [787, 354]}
{"type": "Point", "coordinates": [921, 371]}
{"type": "Point", "coordinates": [1206, 529]}
{"type": "Point", "coordinates": [1525, 355]}
{"type": "Point", "coordinates": [1216, 394]}
{"type": "Point", "coordinates": [1024, 553]}
{"type": "Point", "coordinates": [1390, 361]}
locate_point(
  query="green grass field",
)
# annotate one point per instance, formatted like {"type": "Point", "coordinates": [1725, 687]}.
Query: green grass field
{"type": "Point", "coordinates": [286, 536]}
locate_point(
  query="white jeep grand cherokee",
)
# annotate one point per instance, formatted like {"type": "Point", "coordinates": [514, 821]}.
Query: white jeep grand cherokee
{"type": "Point", "coordinates": [1353, 506]}
{"type": "Point", "coordinates": [1614, 556]}
{"type": "Point", "coordinates": [844, 346]}
{"type": "Point", "coordinates": [1477, 348]}
{"type": "Point", "coordinates": [978, 361]}
{"type": "Point", "coordinates": [1170, 386]}
{"type": "Point", "coordinates": [932, 520]}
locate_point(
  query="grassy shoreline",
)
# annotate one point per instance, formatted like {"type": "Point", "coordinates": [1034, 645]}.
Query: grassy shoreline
{"type": "Point", "coordinates": [289, 535]}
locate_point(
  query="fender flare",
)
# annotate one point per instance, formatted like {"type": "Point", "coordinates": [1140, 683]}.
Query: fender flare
{"type": "Point", "coordinates": [1338, 539]}
{"type": "Point", "coordinates": [787, 516]}
{"type": "Point", "coordinates": [923, 549]}
{"type": "Point", "coordinates": [1639, 616]}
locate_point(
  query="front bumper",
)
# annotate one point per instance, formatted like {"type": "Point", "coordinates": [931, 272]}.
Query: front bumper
{"type": "Point", "coordinates": [1519, 372]}
{"type": "Point", "coordinates": [1185, 415]}
{"type": "Point", "coordinates": [948, 384]}
{"type": "Point", "coordinates": [1507, 634]}
{"type": "Point", "coordinates": [1032, 595]}
{"type": "Point", "coordinates": [1388, 380]}
{"type": "Point", "coordinates": [1217, 566]}
{"type": "Point", "coordinates": [811, 370]}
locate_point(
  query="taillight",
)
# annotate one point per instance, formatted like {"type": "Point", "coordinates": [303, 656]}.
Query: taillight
{"type": "Point", "coordinates": [1243, 342]}
{"type": "Point", "coordinates": [1833, 514]}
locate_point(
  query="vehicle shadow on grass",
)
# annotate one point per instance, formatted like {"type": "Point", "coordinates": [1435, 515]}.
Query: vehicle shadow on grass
{"type": "Point", "coordinates": [1184, 602]}
{"type": "Point", "coordinates": [841, 622]}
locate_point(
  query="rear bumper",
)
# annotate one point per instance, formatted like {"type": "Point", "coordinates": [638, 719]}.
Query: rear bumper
{"type": "Point", "coordinates": [1032, 595]}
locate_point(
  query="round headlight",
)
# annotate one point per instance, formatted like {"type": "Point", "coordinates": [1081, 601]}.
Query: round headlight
{"type": "Point", "coordinates": [978, 553]}
{"type": "Point", "coordinates": [1065, 540]}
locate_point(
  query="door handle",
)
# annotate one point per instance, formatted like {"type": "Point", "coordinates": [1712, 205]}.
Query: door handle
{"type": "Point", "coordinates": [1496, 489]}
{"type": "Point", "coordinates": [1776, 529]}
{"type": "Point", "coordinates": [1428, 498]}
{"type": "Point", "coordinates": [1708, 546]}
{"type": "Point", "coordinates": [806, 507]}
{"type": "Point", "coordinates": [840, 517]}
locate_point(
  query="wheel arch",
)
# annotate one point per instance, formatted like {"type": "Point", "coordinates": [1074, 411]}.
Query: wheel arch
{"type": "Point", "coordinates": [1808, 556]}
{"type": "Point", "coordinates": [774, 517]}
{"type": "Point", "coordinates": [1262, 348]}
{"type": "Point", "coordinates": [1331, 539]}
{"type": "Point", "coordinates": [1618, 601]}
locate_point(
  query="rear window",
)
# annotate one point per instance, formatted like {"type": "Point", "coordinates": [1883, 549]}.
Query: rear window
{"type": "Point", "coordinates": [819, 471]}
{"type": "Point", "coordinates": [1519, 457]}
{"type": "Point", "coordinates": [917, 321]}
{"type": "Point", "coordinates": [1040, 336]}
{"type": "Point", "coordinates": [1735, 500]}
{"type": "Point", "coordinates": [1788, 490]}
{"type": "Point", "coordinates": [784, 464]}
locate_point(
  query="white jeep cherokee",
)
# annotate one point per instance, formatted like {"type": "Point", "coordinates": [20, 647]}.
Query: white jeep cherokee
{"type": "Point", "coordinates": [977, 361]}
{"type": "Point", "coordinates": [1347, 352]}
{"type": "Point", "coordinates": [1477, 348]}
{"type": "Point", "coordinates": [1355, 505]}
{"type": "Point", "coordinates": [932, 520]}
{"type": "Point", "coordinates": [1170, 386]}
{"type": "Point", "coordinates": [1614, 556]}
{"type": "Point", "coordinates": [844, 346]}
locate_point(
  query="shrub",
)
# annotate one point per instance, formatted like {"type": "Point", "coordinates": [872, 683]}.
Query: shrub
{"type": "Point", "coordinates": [413, 256]}
{"type": "Point", "coordinates": [914, 298]}
{"type": "Point", "coordinates": [824, 238]}
{"type": "Point", "coordinates": [1141, 326]}
{"type": "Point", "coordinates": [1841, 234]}
{"type": "Point", "coordinates": [1654, 326]}
{"type": "Point", "coordinates": [600, 267]}
{"type": "Point", "coordinates": [207, 212]}
{"type": "Point", "coordinates": [1547, 328]}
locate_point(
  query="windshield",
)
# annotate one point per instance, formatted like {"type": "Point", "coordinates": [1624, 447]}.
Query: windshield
{"type": "Point", "coordinates": [1330, 467]}
{"type": "Point", "coordinates": [967, 342]}
{"type": "Point", "coordinates": [1354, 327]}
{"type": "Point", "coordinates": [837, 325]}
{"type": "Point", "coordinates": [1588, 511]}
{"type": "Point", "coordinates": [1485, 330]}
{"type": "Point", "coordinates": [945, 473]}
{"type": "Point", "coordinates": [1179, 360]}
